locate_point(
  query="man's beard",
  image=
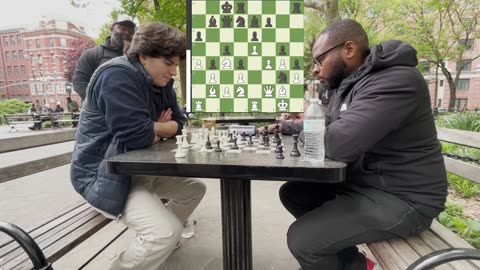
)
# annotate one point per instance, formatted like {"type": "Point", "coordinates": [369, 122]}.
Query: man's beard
{"type": "Point", "coordinates": [339, 72]}
{"type": "Point", "coordinates": [118, 40]}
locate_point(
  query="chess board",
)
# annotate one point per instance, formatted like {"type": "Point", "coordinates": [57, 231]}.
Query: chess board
{"type": "Point", "coordinates": [247, 56]}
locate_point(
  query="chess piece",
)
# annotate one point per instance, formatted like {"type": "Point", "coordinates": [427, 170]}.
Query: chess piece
{"type": "Point", "coordinates": [240, 7]}
{"type": "Point", "coordinates": [226, 7]}
{"type": "Point", "coordinates": [230, 139]}
{"type": "Point", "coordinates": [250, 140]}
{"type": "Point", "coordinates": [212, 64]}
{"type": "Point", "coordinates": [240, 92]}
{"type": "Point", "coordinates": [235, 146]}
{"type": "Point", "coordinates": [213, 92]}
{"type": "Point", "coordinates": [254, 52]}
{"type": "Point", "coordinates": [227, 64]}
{"type": "Point", "coordinates": [296, 8]}
{"type": "Point", "coordinates": [240, 78]}
{"type": "Point", "coordinates": [280, 154]}
{"type": "Point", "coordinates": [282, 105]}
{"type": "Point", "coordinates": [296, 78]}
{"type": "Point", "coordinates": [282, 64]}
{"type": "Point", "coordinates": [227, 20]}
{"type": "Point", "coordinates": [226, 92]}
{"type": "Point", "coordinates": [254, 106]}
{"type": "Point", "coordinates": [199, 64]}
{"type": "Point", "coordinates": [279, 143]}
{"type": "Point", "coordinates": [282, 92]}
{"type": "Point", "coordinates": [244, 137]}
{"type": "Point", "coordinates": [212, 78]}
{"type": "Point", "coordinates": [282, 78]}
{"type": "Point", "coordinates": [212, 22]}
{"type": "Point", "coordinates": [296, 64]}
{"type": "Point", "coordinates": [295, 152]}
{"type": "Point", "coordinates": [282, 50]}
{"type": "Point", "coordinates": [269, 22]}
{"type": "Point", "coordinates": [240, 21]}
{"type": "Point", "coordinates": [254, 36]}
{"type": "Point", "coordinates": [180, 153]}
{"type": "Point", "coordinates": [254, 22]}
{"type": "Point", "coordinates": [208, 144]}
{"type": "Point", "coordinates": [240, 64]}
{"type": "Point", "coordinates": [218, 148]}
{"type": "Point", "coordinates": [267, 140]}
{"type": "Point", "coordinates": [199, 36]}
{"type": "Point", "coordinates": [268, 65]}
{"type": "Point", "coordinates": [268, 91]}
{"type": "Point", "coordinates": [198, 105]}
{"type": "Point", "coordinates": [226, 50]}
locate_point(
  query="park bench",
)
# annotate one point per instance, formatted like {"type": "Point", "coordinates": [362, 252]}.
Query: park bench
{"type": "Point", "coordinates": [46, 243]}
{"type": "Point", "coordinates": [58, 119]}
{"type": "Point", "coordinates": [13, 120]}
{"type": "Point", "coordinates": [438, 245]}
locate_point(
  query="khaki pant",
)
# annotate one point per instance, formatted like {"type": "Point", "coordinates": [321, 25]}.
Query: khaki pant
{"type": "Point", "coordinates": [158, 226]}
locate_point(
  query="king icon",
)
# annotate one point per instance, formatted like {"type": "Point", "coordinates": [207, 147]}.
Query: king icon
{"type": "Point", "coordinates": [282, 105]}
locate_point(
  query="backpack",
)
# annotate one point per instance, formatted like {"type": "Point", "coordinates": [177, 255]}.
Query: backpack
{"type": "Point", "coordinates": [102, 55]}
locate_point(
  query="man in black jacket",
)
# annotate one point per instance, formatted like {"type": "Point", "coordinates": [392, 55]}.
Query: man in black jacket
{"type": "Point", "coordinates": [122, 29]}
{"type": "Point", "coordinates": [379, 121]}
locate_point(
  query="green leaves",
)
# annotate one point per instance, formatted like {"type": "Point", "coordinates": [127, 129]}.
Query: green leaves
{"type": "Point", "coordinates": [13, 106]}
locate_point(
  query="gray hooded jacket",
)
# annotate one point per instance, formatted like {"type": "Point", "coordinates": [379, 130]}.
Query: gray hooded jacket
{"type": "Point", "coordinates": [379, 121]}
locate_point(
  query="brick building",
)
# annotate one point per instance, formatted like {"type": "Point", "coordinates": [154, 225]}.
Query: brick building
{"type": "Point", "coordinates": [34, 64]}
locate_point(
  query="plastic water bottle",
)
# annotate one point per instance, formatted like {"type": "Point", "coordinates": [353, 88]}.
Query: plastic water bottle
{"type": "Point", "coordinates": [189, 229]}
{"type": "Point", "coordinates": [314, 129]}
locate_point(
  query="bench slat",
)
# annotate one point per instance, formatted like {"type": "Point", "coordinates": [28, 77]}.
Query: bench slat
{"type": "Point", "coordinates": [467, 138]}
{"type": "Point", "coordinates": [404, 251]}
{"type": "Point", "coordinates": [385, 253]}
{"type": "Point", "coordinates": [463, 169]}
{"type": "Point", "coordinates": [423, 249]}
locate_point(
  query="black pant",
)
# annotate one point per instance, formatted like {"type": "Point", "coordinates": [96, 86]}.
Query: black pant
{"type": "Point", "coordinates": [333, 218]}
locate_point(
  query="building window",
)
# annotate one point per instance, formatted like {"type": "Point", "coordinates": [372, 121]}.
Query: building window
{"type": "Point", "coordinates": [14, 55]}
{"type": "Point", "coordinates": [17, 70]}
{"type": "Point", "coordinates": [50, 42]}
{"type": "Point", "coordinates": [7, 56]}
{"type": "Point", "coordinates": [30, 44]}
{"type": "Point", "coordinates": [19, 39]}
{"type": "Point", "coordinates": [441, 83]}
{"type": "Point", "coordinates": [10, 71]}
{"type": "Point", "coordinates": [23, 69]}
{"type": "Point", "coordinates": [424, 66]}
{"type": "Point", "coordinates": [12, 40]}
{"type": "Point", "coordinates": [466, 65]}
{"type": "Point", "coordinates": [468, 43]}
{"type": "Point", "coordinates": [461, 103]}
{"type": "Point", "coordinates": [20, 55]}
{"type": "Point", "coordinates": [463, 84]}
{"type": "Point", "coordinates": [63, 42]}
{"type": "Point", "coordinates": [5, 41]}
{"type": "Point", "coordinates": [19, 85]}
{"type": "Point", "coordinates": [37, 42]}
{"type": "Point", "coordinates": [439, 102]}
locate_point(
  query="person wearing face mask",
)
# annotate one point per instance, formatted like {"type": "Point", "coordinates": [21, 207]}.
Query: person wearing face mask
{"type": "Point", "coordinates": [131, 104]}
{"type": "Point", "coordinates": [122, 29]}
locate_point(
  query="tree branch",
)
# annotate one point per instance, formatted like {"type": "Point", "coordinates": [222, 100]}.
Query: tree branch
{"type": "Point", "coordinates": [315, 4]}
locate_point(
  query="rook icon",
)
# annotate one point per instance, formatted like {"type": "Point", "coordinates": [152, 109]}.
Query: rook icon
{"type": "Point", "coordinates": [296, 8]}
{"type": "Point", "coordinates": [240, 7]}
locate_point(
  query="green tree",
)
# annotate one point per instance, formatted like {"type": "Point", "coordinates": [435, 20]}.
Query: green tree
{"type": "Point", "coordinates": [440, 30]}
{"type": "Point", "coordinates": [13, 106]}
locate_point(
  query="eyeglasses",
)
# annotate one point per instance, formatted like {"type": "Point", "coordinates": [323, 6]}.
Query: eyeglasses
{"type": "Point", "coordinates": [318, 61]}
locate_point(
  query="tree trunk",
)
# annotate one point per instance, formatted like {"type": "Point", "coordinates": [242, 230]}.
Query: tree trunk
{"type": "Point", "coordinates": [332, 11]}
{"type": "Point", "coordinates": [451, 85]}
{"type": "Point", "coordinates": [435, 91]}
{"type": "Point", "coordinates": [183, 80]}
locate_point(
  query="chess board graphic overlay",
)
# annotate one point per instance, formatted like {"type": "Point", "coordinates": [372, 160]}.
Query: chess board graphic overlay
{"type": "Point", "coordinates": [246, 56]}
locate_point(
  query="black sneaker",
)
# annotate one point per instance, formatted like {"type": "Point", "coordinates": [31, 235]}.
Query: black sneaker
{"type": "Point", "coordinates": [32, 128]}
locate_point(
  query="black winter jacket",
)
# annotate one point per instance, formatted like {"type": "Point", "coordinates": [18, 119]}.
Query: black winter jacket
{"type": "Point", "coordinates": [380, 122]}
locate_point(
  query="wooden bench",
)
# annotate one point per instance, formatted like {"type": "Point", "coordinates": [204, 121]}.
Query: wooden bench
{"type": "Point", "coordinates": [58, 119]}
{"type": "Point", "coordinates": [46, 243]}
{"type": "Point", "coordinates": [438, 245]}
{"type": "Point", "coordinates": [13, 120]}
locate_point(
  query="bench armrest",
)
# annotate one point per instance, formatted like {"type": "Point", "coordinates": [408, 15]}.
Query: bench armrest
{"type": "Point", "coordinates": [444, 256]}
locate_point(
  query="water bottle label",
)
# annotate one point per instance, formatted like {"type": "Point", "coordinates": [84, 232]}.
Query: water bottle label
{"type": "Point", "coordinates": [313, 125]}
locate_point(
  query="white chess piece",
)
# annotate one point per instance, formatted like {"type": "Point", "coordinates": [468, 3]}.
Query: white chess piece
{"type": "Point", "coordinates": [268, 65]}
{"type": "Point", "coordinates": [226, 92]}
{"type": "Point", "coordinates": [268, 91]}
{"type": "Point", "coordinates": [254, 50]}
{"type": "Point", "coordinates": [198, 106]}
{"type": "Point", "coordinates": [185, 143]}
{"type": "Point", "coordinates": [240, 78]}
{"type": "Point", "coordinates": [254, 105]}
{"type": "Point", "coordinates": [296, 78]}
{"type": "Point", "coordinates": [282, 92]}
{"type": "Point", "coordinates": [180, 153]}
{"type": "Point", "coordinates": [282, 105]}
{"type": "Point", "coordinates": [213, 92]}
{"type": "Point", "coordinates": [282, 64]}
{"type": "Point", "coordinates": [227, 64]}
{"type": "Point", "coordinates": [199, 64]}
{"type": "Point", "coordinates": [212, 78]}
{"type": "Point", "coordinates": [240, 91]}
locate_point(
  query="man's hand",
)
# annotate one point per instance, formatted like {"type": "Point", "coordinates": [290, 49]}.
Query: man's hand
{"type": "Point", "coordinates": [165, 116]}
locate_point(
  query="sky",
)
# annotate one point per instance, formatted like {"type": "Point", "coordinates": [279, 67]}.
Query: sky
{"type": "Point", "coordinates": [19, 13]}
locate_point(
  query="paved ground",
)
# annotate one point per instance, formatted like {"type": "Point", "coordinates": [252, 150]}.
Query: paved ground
{"type": "Point", "coordinates": [22, 130]}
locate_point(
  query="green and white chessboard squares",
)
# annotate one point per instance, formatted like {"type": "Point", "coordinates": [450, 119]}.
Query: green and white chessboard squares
{"type": "Point", "coordinates": [250, 6]}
